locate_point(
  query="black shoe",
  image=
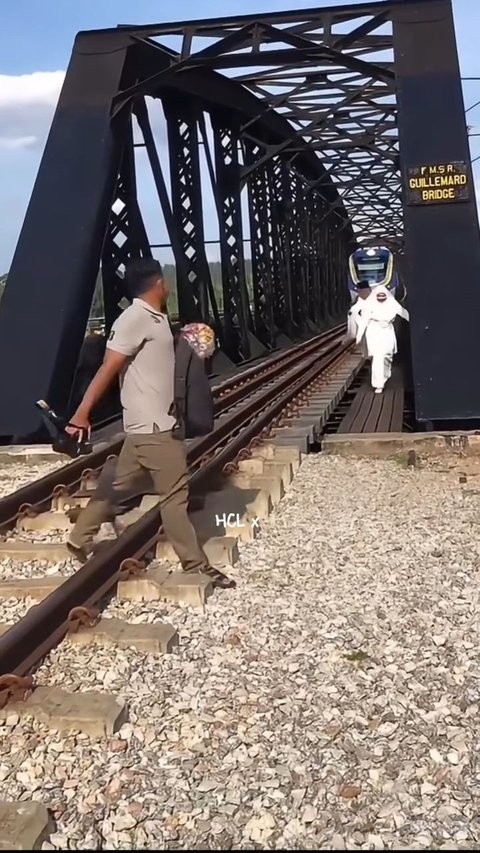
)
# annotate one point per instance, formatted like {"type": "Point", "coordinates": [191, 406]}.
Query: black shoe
{"type": "Point", "coordinates": [77, 552]}
{"type": "Point", "coordinates": [220, 581]}
{"type": "Point", "coordinates": [224, 582]}
{"type": "Point", "coordinates": [73, 513]}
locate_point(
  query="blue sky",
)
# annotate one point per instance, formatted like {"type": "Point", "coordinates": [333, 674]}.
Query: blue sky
{"type": "Point", "coordinates": [36, 38]}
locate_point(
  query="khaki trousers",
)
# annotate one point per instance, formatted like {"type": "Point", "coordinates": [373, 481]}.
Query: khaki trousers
{"type": "Point", "coordinates": [162, 459]}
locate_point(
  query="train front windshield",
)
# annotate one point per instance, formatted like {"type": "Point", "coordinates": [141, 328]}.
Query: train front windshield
{"type": "Point", "coordinates": [373, 270]}
{"type": "Point", "coordinates": [375, 266]}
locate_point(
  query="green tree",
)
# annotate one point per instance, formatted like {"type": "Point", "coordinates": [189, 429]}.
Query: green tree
{"type": "Point", "coordinates": [97, 310]}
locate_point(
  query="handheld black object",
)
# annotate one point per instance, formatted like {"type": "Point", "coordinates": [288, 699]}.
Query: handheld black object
{"type": "Point", "coordinates": [62, 442]}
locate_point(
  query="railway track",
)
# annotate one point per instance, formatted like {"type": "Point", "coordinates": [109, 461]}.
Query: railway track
{"type": "Point", "coordinates": [35, 496]}
{"type": "Point", "coordinates": [247, 408]}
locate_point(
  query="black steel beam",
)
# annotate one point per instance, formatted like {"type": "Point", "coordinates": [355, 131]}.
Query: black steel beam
{"type": "Point", "coordinates": [189, 307]}
{"type": "Point", "coordinates": [311, 140]}
{"type": "Point", "coordinates": [442, 239]}
{"type": "Point", "coordinates": [281, 218]}
{"type": "Point", "coordinates": [186, 188]}
{"type": "Point", "coordinates": [56, 261]}
{"type": "Point", "coordinates": [259, 199]}
{"type": "Point", "coordinates": [126, 236]}
{"type": "Point", "coordinates": [337, 13]}
{"type": "Point", "coordinates": [237, 315]}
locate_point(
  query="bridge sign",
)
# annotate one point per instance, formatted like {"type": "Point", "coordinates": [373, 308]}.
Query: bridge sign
{"type": "Point", "coordinates": [445, 182]}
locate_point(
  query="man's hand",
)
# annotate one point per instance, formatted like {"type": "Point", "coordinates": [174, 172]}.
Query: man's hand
{"type": "Point", "coordinates": [111, 367]}
{"type": "Point", "coordinates": [79, 424]}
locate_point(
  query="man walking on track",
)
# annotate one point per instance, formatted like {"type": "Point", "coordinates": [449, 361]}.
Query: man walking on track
{"type": "Point", "coordinates": [140, 350]}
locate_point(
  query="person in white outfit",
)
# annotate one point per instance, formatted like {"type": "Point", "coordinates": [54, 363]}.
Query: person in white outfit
{"type": "Point", "coordinates": [355, 311]}
{"type": "Point", "coordinates": [375, 328]}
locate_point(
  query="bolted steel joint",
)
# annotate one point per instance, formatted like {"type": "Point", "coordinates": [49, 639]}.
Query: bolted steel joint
{"type": "Point", "coordinates": [26, 511]}
{"type": "Point", "coordinates": [84, 617]}
{"type": "Point", "coordinates": [60, 491]}
{"type": "Point", "coordinates": [230, 468]}
{"type": "Point", "coordinates": [132, 568]}
{"type": "Point", "coordinates": [15, 688]}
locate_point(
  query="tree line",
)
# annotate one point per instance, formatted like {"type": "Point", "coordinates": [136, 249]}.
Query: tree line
{"type": "Point", "coordinates": [170, 274]}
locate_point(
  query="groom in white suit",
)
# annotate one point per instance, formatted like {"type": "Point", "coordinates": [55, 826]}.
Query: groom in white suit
{"type": "Point", "coordinates": [375, 328]}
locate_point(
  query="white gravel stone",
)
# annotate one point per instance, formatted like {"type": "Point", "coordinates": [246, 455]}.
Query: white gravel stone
{"type": "Point", "coordinates": [12, 609]}
{"type": "Point", "coordinates": [14, 475]}
{"type": "Point", "coordinates": [10, 568]}
{"type": "Point", "coordinates": [311, 708]}
{"type": "Point", "coordinates": [36, 536]}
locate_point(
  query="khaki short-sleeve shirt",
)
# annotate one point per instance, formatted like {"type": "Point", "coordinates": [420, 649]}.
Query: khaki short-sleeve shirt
{"type": "Point", "coordinates": [147, 382]}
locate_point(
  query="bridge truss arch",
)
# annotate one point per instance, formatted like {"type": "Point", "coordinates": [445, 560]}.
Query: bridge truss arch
{"type": "Point", "coordinates": [292, 121]}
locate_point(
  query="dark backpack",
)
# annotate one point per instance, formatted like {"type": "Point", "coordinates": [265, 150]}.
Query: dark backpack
{"type": "Point", "coordinates": [193, 404]}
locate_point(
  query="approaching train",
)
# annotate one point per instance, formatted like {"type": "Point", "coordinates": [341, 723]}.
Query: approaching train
{"type": "Point", "coordinates": [377, 266]}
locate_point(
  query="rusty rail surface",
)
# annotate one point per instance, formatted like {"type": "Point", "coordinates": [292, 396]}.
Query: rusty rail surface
{"type": "Point", "coordinates": [35, 495]}
{"type": "Point", "coordinates": [45, 624]}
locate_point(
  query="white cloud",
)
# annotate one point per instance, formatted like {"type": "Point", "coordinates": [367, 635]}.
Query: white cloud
{"type": "Point", "coordinates": [27, 105]}
{"type": "Point", "coordinates": [17, 142]}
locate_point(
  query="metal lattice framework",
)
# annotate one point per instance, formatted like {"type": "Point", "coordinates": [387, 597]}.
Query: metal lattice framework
{"type": "Point", "coordinates": [301, 113]}
{"type": "Point", "coordinates": [330, 74]}
{"type": "Point", "coordinates": [291, 123]}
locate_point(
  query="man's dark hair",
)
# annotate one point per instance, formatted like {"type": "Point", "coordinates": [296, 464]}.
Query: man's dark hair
{"type": "Point", "coordinates": [139, 275]}
{"type": "Point", "coordinates": [363, 284]}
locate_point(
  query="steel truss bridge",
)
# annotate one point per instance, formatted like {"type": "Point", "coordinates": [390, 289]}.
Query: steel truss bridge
{"type": "Point", "coordinates": [301, 127]}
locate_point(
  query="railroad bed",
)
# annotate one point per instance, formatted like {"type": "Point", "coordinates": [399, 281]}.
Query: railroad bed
{"type": "Point", "coordinates": [35, 565]}
{"type": "Point", "coordinates": [330, 702]}
{"type": "Point", "coordinates": [14, 475]}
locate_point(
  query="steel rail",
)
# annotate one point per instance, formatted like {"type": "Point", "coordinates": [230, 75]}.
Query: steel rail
{"type": "Point", "coordinates": [34, 496]}
{"type": "Point", "coordinates": [45, 624]}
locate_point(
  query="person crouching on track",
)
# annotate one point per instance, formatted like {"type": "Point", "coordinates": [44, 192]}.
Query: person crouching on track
{"type": "Point", "coordinates": [355, 311]}
{"type": "Point", "coordinates": [140, 350]}
{"type": "Point", "coordinates": [375, 328]}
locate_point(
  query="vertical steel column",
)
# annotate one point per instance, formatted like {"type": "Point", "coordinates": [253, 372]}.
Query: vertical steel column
{"type": "Point", "coordinates": [313, 277]}
{"type": "Point", "coordinates": [282, 210]}
{"type": "Point", "coordinates": [310, 240]}
{"type": "Point", "coordinates": [126, 237]}
{"type": "Point", "coordinates": [237, 317]}
{"type": "Point", "coordinates": [329, 266]}
{"type": "Point", "coordinates": [188, 310]}
{"type": "Point", "coordinates": [293, 223]}
{"type": "Point", "coordinates": [318, 222]}
{"type": "Point", "coordinates": [261, 244]}
{"type": "Point", "coordinates": [52, 279]}
{"type": "Point", "coordinates": [441, 239]}
{"type": "Point", "coordinates": [280, 312]}
{"type": "Point", "coordinates": [302, 249]}
{"type": "Point", "coordinates": [183, 141]}
{"type": "Point", "coordinates": [346, 248]}
{"type": "Point", "coordinates": [334, 266]}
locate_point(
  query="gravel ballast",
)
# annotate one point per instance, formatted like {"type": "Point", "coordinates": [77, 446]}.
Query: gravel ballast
{"type": "Point", "coordinates": [330, 702]}
{"type": "Point", "coordinates": [15, 475]}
